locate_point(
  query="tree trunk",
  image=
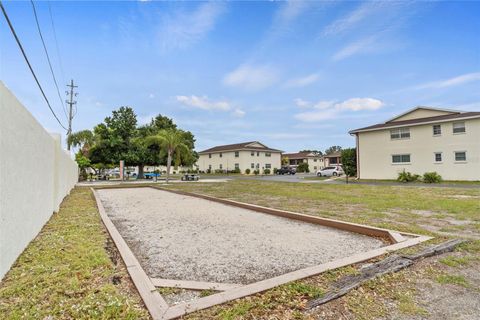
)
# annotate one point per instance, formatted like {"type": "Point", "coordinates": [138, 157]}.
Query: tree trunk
{"type": "Point", "coordinates": [169, 163]}
{"type": "Point", "coordinates": [140, 171]}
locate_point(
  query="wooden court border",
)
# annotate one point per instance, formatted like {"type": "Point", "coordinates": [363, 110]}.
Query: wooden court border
{"type": "Point", "coordinates": [157, 305]}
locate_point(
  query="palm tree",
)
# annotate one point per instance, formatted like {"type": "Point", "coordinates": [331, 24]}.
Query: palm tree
{"type": "Point", "coordinates": [173, 141]}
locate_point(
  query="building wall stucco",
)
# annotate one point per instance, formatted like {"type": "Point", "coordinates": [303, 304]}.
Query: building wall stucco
{"type": "Point", "coordinates": [35, 175]}
{"type": "Point", "coordinates": [376, 149]}
{"type": "Point", "coordinates": [244, 159]}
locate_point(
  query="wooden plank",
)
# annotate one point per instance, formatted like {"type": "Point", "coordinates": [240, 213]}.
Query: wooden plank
{"type": "Point", "coordinates": [391, 264]}
{"type": "Point", "coordinates": [396, 237]}
{"type": "Point", "coordinates": [154, 302]}
{"type": "Point", "coordinates": [249, 289]}
{"type": "Point", "coordinates": [342, 287]}
{"type": "Point", "coordinates": [195, 285]}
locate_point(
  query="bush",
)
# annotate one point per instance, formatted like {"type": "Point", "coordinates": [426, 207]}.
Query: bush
{"type": "Point", "coordinates": [247, 171]}
{"type": "Point", "coordinates": [209, 171]}
{"type": "Point", "coordinates": [349, 161]}
{"type": "Point", "coordinates": [275, 170]}
{"type": "Point", "coordinates": [432, 177]}
{"type": "Point", "coordinates": [407, 177]}
{"type": "Point", "coordinates": [256, 171]}
{"type": "Point", "coordinates": [236, 170]}
{"type": "Point", "coordinates": [303, 167]}
{"type": "Point", "coordinates": [266, 171]}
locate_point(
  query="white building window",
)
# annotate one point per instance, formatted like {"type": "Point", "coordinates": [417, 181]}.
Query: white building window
{"type": "Point", "coordinates": [258, 153]}
{"type": "Point", "coordinates": [237, 154]}
{"type": "Point", "coordinates": [400, 133]}
{"type": "Point", "coordinates": [268, 154]}
{"type": "Point", "coordinates": [258, 166]}
{"type": "Point", "coordinates": [438, 157]}
{"type": "Point", "coordinates": [252, 153]}
{"type": "Point", "coordinates": [459, 127]}
{"type": "Point", "coordinates": [237, 166]}
{"type": "Point", "coordinates": [252, 165]}
{"type": "Point", "coordinates": [268, 166]}
{"type": "Point", "coordinates": [220, 167]}
{"type": "Point", "coordinates": [210, 167]}
{"type": "Point", "coordinates": [460, 156]}
{"type": "Point", "coordinates": [221, 155]}
{"type": "Point", "coordinates": [209, 155]}
{"type": "Point", "coordinates": [400, 158]}
{"type": "Point", "coordinates": [437, 130]}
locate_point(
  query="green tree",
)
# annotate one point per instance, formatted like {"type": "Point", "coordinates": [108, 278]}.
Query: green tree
{"type": "Point", "coordinates": [349, 162]}
{"type": "Point", "coordinates": [83, 139]}
{"type": "Point", "coordinates": [174, 142]}
{"type": "Point", "coordinates": [316, 152]}
{"type": "Point", "coordinates": [303, 167]}
{"type": "Point", "coordinates": [333, 149]}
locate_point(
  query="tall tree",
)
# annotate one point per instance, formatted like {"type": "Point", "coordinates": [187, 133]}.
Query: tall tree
{"type": "Point", "coordinates": [333, 149]}
{"type": "Point", "coordinates": [174, 143]}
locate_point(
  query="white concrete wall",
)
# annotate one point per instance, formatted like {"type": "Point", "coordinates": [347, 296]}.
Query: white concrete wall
{"type": "Point", "coordinates": [244, 159]}
{"type": "Point", "coordinates": [376, 149]}
{"type": "Point", "coordinates": [35, 176]}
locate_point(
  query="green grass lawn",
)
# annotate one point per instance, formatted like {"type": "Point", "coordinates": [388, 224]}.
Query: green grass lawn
{"type": "Point", "coordinates": [439, 212]}
{"type": "Point", "coordinates": [71, 270]}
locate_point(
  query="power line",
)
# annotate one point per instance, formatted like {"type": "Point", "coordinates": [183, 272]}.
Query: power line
{"type": "Point", "coordinates": [28, 63]}
{"type": "Point", "coordinates": [48, 59]}
{"type": "Point", "coordinates": [56, 41]}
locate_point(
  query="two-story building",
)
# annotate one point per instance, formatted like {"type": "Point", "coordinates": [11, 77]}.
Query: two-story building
{"type": "Point", "coordinates": [314, 161]}
{"type": "Point", "coordinates": [251, 155]}
{"type": "Point", "coordinates": [421, 140]}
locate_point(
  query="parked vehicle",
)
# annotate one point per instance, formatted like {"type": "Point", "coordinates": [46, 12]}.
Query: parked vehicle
{"type": "Point", "coordinates": [190, 177]}
{"type": "Point", "coordinates": [286, 170]}
{"type": "Point", "coordinates": [330, 171]}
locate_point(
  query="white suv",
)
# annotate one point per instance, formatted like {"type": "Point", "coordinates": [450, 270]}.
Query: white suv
{"type": "Point", "coordinates": [330, 171]}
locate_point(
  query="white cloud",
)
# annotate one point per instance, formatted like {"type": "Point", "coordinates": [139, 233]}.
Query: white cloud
{"type": "Point", "coordinates": [251, 77]}
{"type": "Point", "coordinates": [327, 110]}
{"type": "Point", "coordinates": [203, 103]}
{"type": "Point", "coordinates": [151, 96]}
{"type": "Point", "coordinates": [317, 115]}
{"type": "Point", "coordinates": [302, 81]}
{"type": "Point", "coordinates": [455, 81]}
{"type": "Point", "coordinates": [302, 103]}
{"type": "Point", "coordinates": [358, 104]}
{"type": "Point", "coordinates": [239, 113]}
{"type": "Point", "coordinates": [183, 29]}
{"type": "Point", "coordinates": [352, 19]}
{"type": "Point", "coordinates": [360, 46]}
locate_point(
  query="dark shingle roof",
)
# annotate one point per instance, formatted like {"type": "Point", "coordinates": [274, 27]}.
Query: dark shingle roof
{"type": "Point", "coordinates": [299, 155]}
{"type": "Point", "coordinates": [239, 146]}
{"type": "Point", "coordinates": [418, 121]}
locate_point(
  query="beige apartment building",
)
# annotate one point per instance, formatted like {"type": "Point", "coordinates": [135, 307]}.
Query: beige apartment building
{"type": "Point", "coordinates": [421, 140]}
{"type": "Point", "coordinates": [248, 155]}
{"type": "Point", "coordinates": [314, 161]}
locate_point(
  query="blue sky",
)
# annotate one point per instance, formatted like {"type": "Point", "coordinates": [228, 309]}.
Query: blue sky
{"type": "Point", "coordinates": [294, 75]}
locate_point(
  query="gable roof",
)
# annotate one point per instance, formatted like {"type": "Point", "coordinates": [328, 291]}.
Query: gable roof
{"type": "Point", "coordinates": [301, 155]}
{"type": "Point", "coordinates": [444, 111]}
{"type": "Point", "coordinates": [251, 145]}
{"type": "Point", "coordinates": [456, 115]}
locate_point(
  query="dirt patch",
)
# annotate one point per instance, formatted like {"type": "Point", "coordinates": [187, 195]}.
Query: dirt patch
{"type": "Point", "coordinates": [182, 237]}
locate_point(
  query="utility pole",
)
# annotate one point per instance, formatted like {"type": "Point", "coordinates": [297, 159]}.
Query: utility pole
{"type": "Point", "coordinates": [71, 113]}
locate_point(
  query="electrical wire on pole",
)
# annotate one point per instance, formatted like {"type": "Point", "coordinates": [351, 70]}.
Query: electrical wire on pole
{"type": "Point", "coordinates": [12, 29]}
{"type": "Point", "coordinates": [48, 58]}
{"type": "Point", "coordinates": [71, 112]}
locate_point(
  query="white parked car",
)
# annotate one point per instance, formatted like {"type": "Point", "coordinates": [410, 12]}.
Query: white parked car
{"type": "Point", "coordinates": [330, 171]}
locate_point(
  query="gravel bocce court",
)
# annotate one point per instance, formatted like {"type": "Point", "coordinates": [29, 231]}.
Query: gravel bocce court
{"type": "Point", "coordinates": [187, 238]}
